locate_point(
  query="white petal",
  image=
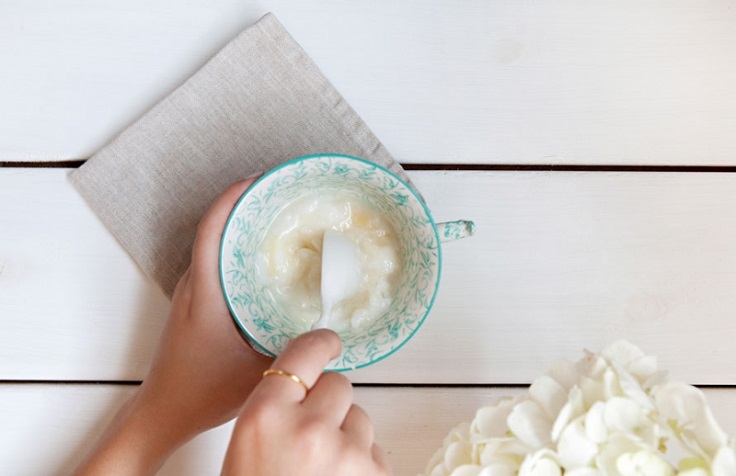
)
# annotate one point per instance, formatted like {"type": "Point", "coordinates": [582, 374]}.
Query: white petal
{"type": "Point", "coordinates": [564, 373]}
{"type": "Point", "coordinates": [498, 458]}
{"type": "Point", "coordinates": [611, 384]}
{"type": "Point", "coordinates": [457, 454]}
{"type": "Point", "coordinates": [574, 449]}
{"type": "Point", "coordinates": [467, 470]}
{"type": "Point", "coordinates": [594, 366]}
{"type": "Point", "coordinates": [437, 471]}
{"type": "Point", "coordinates": [435, 466]}
{"type": "Point", "coordinates": [490, 421]}
{"type": "Point", "coordinates": [549, 395]}
{"type": "Point", "coordinates": [643, 368]}
{"type": "Point", "coordinates": [624, 415]}
{"type": "Point", "coordinates": [631, 358]}
{"type": "Point", "coordinates": [595, 425]}
{"type": "Point", "coordinates": [593, 390]}
{"type": "Point", "coordinates": [458, 434]}
{"type": "Point", "coordinates": [724, 464]}
{"type": "Point", "coordinates": [498, 470]}
{"type": "Point", "coordinates": [541, 463]}
{"type": "Point", "coordinates": [461, 432]}
{"type": "Point", "coordinates": [583, 472]}
{"type": "Point", "coordinates": [544, 467]}
{"type": "Point", "coordinates": [574, 407]}
{"type": "Point", "coordinates": [530, 425]}
{"type": "Point", "coordinates": [622, 351]}
{"type": "Point", "coordinates": [686, 404]}
{"type": "Point", "coordinates": [694, 472]}
{"type": "Point", "coordinates": [657, 378]}
{"type": "Point", "coordinates": [695, 465]}
{"type": "Point", "coordinates": [643, 463]}
{"type": "Point", "coordinates": [616, 445]}
{"type": "Point", "coordinates": [632, 388]}
{"type": "Point", "coordinates": [492, 448]}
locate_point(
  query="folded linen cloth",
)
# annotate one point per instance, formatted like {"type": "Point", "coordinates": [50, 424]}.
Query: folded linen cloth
{"type": "Point", "coordinates": [257, 103]}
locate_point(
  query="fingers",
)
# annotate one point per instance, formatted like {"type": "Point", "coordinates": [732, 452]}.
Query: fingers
{"type": "Point", "coordinates": [181, 286]}
{"type": "Point", "coordinates": [359, 427]}
{"type": "Point", "coordinates": [330, 398]}
{"type": "Point", "coordinates": [209, 233]}
{"type": "Point", "coordinates": [381, 460]}
{"type": "Point", "coordinates": [319, 431]}
{"type": "Point", "coordinates": [304, 356]}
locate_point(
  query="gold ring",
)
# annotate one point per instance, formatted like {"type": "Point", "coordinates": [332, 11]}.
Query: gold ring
{"type": "Point", "coordinates": [288, 375]}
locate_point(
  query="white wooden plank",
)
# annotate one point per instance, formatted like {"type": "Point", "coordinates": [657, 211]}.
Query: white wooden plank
{"type": "Point", "coordinates": [468, 81]}
{"type": "Point", "coordinates": [75, 73]}
{"type": "Point", "coordinates": [561, 262]}
{"type": "Point", "coordinates": [60, 422]}
{"type": "Point", "coordinates": [55, 257]}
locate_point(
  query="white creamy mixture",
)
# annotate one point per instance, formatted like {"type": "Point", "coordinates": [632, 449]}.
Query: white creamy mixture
{"type": "Point", "coordinates": [292, 258]}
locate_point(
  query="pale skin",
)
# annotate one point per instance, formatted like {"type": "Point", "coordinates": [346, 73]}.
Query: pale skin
{"type": "Point", "coordinates": [204, 374]}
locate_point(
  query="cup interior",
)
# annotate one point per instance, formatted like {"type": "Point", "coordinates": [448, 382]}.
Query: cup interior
{"type": "Point", "coordinates": [259, 317]}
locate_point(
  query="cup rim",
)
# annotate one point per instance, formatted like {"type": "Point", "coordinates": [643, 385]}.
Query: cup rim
{"type": "Point", "coordinates": [243, 331]}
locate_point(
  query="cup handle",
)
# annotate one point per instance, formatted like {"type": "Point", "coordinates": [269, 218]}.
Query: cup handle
{"type": "Point", "coordinates": [455, 230]}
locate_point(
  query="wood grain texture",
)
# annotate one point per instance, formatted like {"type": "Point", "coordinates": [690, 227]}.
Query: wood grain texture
{"type": "Point", "coordinates": [560, 262]}
{"type": "Point", "coordinates": [439, 81]}
{"type": "Point", "coordinates": [61, 421]}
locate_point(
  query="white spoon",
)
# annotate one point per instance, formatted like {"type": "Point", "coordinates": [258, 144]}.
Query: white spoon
{"type": "Point", "coordinates": [341, 274]}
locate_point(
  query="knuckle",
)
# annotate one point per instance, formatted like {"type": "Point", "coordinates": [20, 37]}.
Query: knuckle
{"type": "Point", "coordinates": [313, 428]}
{"type": "Point", "coordinates": [358, 410]}
{"type": "Point", "coordinates": [337, 380]}
{"type": "Point", "coordinates": [260, 415]}
{"type": "Point", "coordinates": [336, 385]}
{"type": "Point", "coordinates": [313, 435]}
{"type": "Point", "coordinates": [352, 457]}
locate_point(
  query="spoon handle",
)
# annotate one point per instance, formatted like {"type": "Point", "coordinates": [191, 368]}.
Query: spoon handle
{"type": "Point", "coordinates": [323, 322]}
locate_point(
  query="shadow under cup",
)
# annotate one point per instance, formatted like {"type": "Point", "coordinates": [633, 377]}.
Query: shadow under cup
{"type": "Point", "coordinates": [258, 316]}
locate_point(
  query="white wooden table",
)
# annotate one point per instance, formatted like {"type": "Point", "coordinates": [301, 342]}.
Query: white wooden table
{"type": "Point", "coordinates": [594, 144]}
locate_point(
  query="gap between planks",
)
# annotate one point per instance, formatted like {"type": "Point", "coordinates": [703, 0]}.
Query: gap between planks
{"type": "Point", "coordinates": [73, 164]}
{"type": "Point", "coordinates": [357, 385]}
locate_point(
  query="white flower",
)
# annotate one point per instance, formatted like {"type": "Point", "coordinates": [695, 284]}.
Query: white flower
{"type": "Point", "coordinates": [530, 425]}
{"type": "Point", "coordinates": [467, 470]}
{"type": "Point", "coordinates": [574, 407]}
{"type": "Point", "coordinates": [611, 413]}
{"type": "Point", "coordinates": [542, 463]}
{"type": "Point", "coordinates": [549, 394]}
{"type": "Point", "coordinates": [724, 463]}
{"type": "Point", "coordinates": [490, 422]}
{"type": "Point", "coordinates": [575, 448]}
{"type": "Point", "coordinates": [643, 463]}
{"type": "Point", "coordinates": [693, 421]}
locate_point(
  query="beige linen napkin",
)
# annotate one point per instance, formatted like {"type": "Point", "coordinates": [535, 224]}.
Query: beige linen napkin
{"type": "Point", "coordinates": [259, 102]}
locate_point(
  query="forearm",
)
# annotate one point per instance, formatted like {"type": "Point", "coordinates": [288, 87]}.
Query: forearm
{"type": "Point", "coordinates": [134, 443]}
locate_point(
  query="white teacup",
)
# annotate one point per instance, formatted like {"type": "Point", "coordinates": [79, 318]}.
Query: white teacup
{"type": "Point", "coordinates": [260, 318]}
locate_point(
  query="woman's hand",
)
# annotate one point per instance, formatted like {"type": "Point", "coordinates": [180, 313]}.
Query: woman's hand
{"type": "Point", "coordinates": [202, 371]}
{"type": "Point", "coordinates": [283, 429]}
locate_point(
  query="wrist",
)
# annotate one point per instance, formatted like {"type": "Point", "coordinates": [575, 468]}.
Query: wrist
{"type": "Point", "coordinates": [134, 443]}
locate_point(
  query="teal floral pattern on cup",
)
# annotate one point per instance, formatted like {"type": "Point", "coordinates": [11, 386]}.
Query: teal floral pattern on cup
{"type": "Point", "coordinates": [455, 230]}
{"type": "Point", "coordinates": [259, 317]}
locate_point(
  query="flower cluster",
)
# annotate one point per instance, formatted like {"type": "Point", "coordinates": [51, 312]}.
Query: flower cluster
{"type": "Point", "coordinates": [611, 413]}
